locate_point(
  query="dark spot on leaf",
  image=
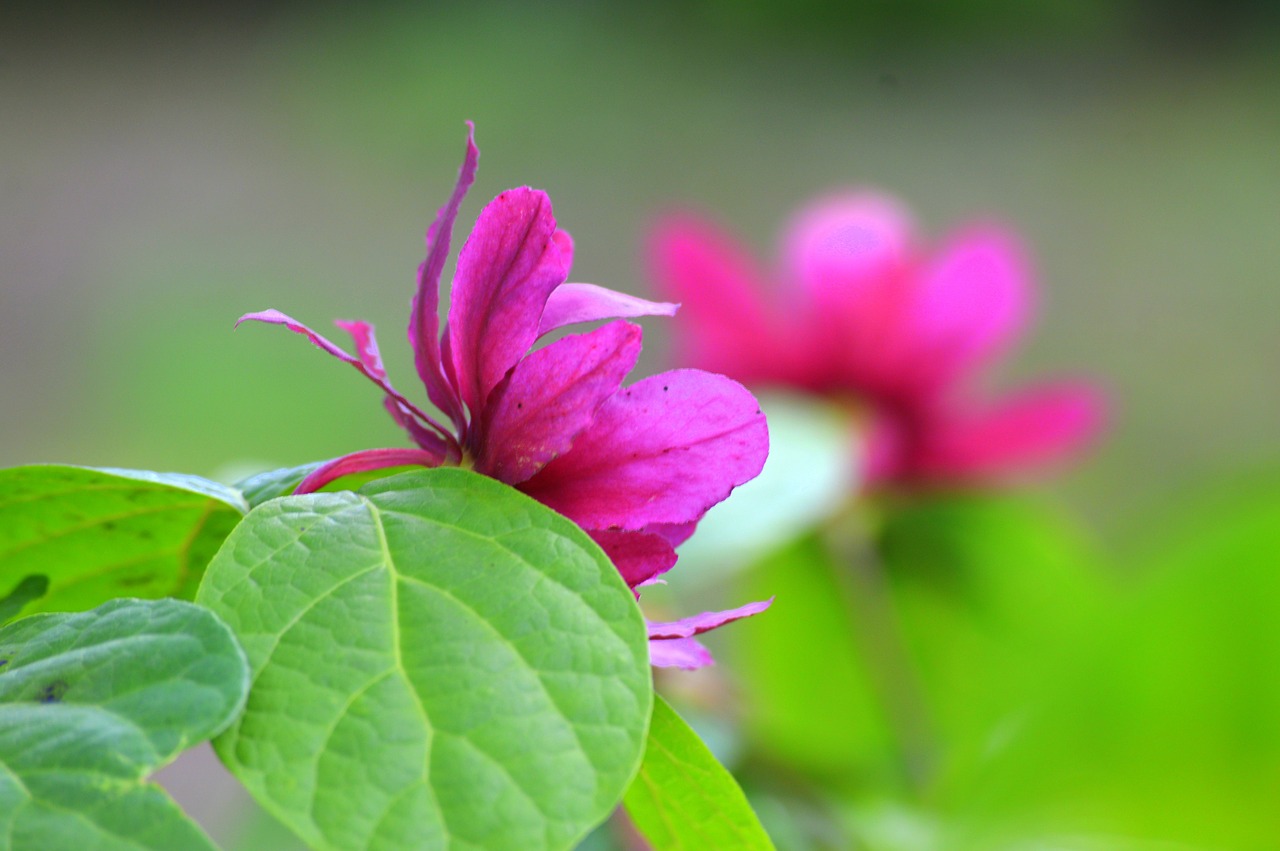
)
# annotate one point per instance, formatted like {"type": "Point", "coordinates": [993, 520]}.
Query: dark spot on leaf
{"type": "Point", "coordinates": [140, 579]}
{"type": "Point", "coordinates": [145, 534]}
{"type": "Point", "coordinates": [108, 526]}
{"type": "Point", "coordinates": [3, 662]}
{"type": "Point", "coordinates": [53, 692]}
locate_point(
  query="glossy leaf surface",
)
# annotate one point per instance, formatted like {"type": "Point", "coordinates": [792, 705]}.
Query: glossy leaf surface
{"type": "Point", "coordinates": [683, 799]}
{"type": "Point", "coordinates": [97, 534]}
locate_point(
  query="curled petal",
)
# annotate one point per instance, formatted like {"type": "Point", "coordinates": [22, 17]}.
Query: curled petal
{"type": "Point", "coordinates": [507, 269]}
{"type": "Point", "coordinates": [372, 370]}
{"type": "Point", "coordinates": [663, 450]}
{"type": "Point", "coordinates": [639, 556]}
{"type": "Point", "coordinates": [550, 396]}
{"type": "Point", "coordinates": [729, 323]}
{"type": "Point", "coordinates": [424, 318]}
{"type": "Point", "coordinates": [705, 622]}
{"type": "Point", "coordinates": [367, 351]}
{"type": "Point", "coordinates": [683, 653]}
{"type": "Point", "coordinates": [1036, 427]}
{"type": "Point", "coordinates": [363, 462]}
{"type": "Point", "coordinates": [573, 303]}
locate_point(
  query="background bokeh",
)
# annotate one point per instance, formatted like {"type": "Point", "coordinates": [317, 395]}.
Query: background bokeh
{"type": "Point", "coordinates": [164, 170]}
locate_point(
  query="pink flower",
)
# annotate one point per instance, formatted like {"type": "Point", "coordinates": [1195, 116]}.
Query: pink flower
{"type": "Point", "coordinates": [637, 467]}
{"type": "Point", "coordinates": [863, 313]}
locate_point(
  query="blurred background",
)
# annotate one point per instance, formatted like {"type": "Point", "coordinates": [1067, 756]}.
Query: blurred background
{"type": "Point", "coordinates": [165, 169]}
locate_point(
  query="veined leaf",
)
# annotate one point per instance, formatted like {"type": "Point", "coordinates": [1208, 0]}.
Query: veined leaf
{"type": "Point", "coordinates": [438, 660]}
{"type": "Point", "coordinates": [92, 703]}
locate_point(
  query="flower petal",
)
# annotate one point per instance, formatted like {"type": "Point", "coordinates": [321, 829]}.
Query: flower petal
{"type": "Point", "coordinates": [705, 622]}
{"type": "Point", "coordinates": [508, 267]}
{"type": "Point", "coordinates": [838, 246]}
{"type": "Point", "coordinates": [728, 320]}
{"type": "Point", "coordinates": [849, 256]}
{"type": "Point", "coordinates": [683, 653]}
{"type": "Point", "coordinates": [970, 302]}
{"type": "Point", "coordinates": [549, 397]}
{"type": "Point", "coordinates": [573, 303]}
{"type": "Point", "coordinates": [663, 450]}
{"type": "Point", "coordinates": [371, 370]}
{"type": "Point", "coordinates": [363, 462]}
{"type": "Point", "coordinates": [367, 351]}
{"type": "Point", "coordinates": [639, 556]}
{"type": "Point", "coordinates": [1036, 427]}
{"type": "Point", "coordinates": [424, 318]}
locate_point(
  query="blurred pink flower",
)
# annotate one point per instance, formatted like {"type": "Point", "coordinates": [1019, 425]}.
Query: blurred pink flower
{"type": "Point", "coordinates": [636, 467]}
{"type": "Point", "coordinates": [861, 312]}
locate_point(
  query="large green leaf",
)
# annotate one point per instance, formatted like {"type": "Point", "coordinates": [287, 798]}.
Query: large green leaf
{"type": "Point", "coordinates": [898, 659]}
{"type": "Point", "coordinates": [683, 799]}
{"type": "Point", "coordinates": [90, 704]}
{"type": "Point", "coordinates": [438, 661]}
{"type": "Point", "coordinates": [1166, 723]}
{"type": "Point", "coordinates": [100, 534]}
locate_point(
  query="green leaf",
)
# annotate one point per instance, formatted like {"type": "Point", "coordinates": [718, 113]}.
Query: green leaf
{"type": "Point", "coordinates": [683, 798]}
{"type": "Point", "coordinates": [266, 486]}
{"type": "Point", "coordinates": [100, 534]}
{"type": "Point", "coordinates": [92, 703]}
{"type": "Point", "coordinates": [810, 699]}
{"type": "Point", "coordinates": [439, 661]}
{"type": "Point", "coordinates": [263, 487]}
{"type": "Point", "coordinates": [28, 590]}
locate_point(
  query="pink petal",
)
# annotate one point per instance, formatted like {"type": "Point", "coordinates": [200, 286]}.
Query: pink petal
{"type": "Point", "coordinates": [371, 370]}
{"type": "Point", "coordinates": [424, 318]}
{"type": "Point", "coordinates": [573, 303]}
{"type": "Point", "coordinates": [1036, 427]}
{"type": "Point", "coordinates": [970, 302]}
{"type": "Point", "coordinates": [507, 269]}
{"type": "Point", "coordinates": [367, 351]}
{"type": "Point", "coordinates": [639, 556]}
{"type": "Point", "coordinates": [850, 258]}
{"type": "Point", "coordinates": [683, 653]}
{"type": "Point", "coordinates": [664, 450]}
{"type": "Point", "coordinates": [840, 245]}
{"type": "Point", "coordinates": [363, 462]}
{"type": "Point", "coordinates": [705, 622]}
{"type": "Point", "coordinates": [728, 322]}
{"type": "Point", "coordinates": [549, 397]}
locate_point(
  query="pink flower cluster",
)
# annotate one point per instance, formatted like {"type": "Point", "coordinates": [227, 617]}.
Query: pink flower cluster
{"type": "Point", "coordinates": [859, 312]}
{"type": "Point", "coordinates": [636, 466]}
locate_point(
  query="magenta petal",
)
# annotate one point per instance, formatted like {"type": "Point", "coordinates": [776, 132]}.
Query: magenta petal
{"type": "Point", "coordinates": [367, 351]}
{"type": "Point", "coordinates": [424, 319]}
{"type": "Point", "coordinates": [363, 462]}
{"type": "Point", "coordinates": [970, 302]}
{"type": "Point", "coordinates": [550, 397]}
{"type": "Point", "coordinates": [372, 370]}
{"type": "Point", "coordinates": [573, 303]}
{"type": "Point", "coordinates": [508, 267]}
{"type": "Point", "coordinates": [639, 556]}
{"type": "Point", "coordinates": [838, 245]}
{"type": "Point", "coordinates": [1036, 427]}
{"type": "Point", "coordinates": [705, 622]}
{"type": "Point", "coordinates": [728, 322]}
{"type": "Point", "coordinates": [663, 450]}
{"type": "Point", "coordinates": [683, 653]}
